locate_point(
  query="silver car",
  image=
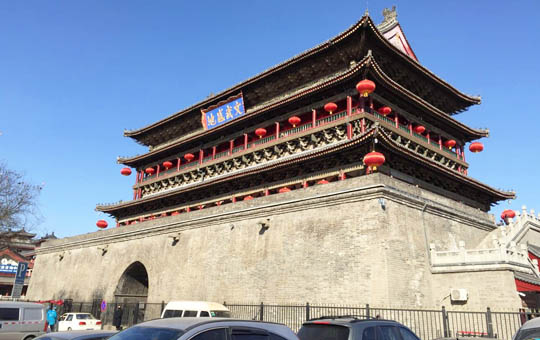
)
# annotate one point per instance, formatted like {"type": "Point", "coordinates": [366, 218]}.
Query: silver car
{"type": "Point", "coordinates": [77, 335]}
{"type": "Point", "coordinates": [206, 329]}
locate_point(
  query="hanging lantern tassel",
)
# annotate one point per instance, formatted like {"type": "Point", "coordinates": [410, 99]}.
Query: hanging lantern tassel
{"type": "Point", "coordinates": [374, 159]}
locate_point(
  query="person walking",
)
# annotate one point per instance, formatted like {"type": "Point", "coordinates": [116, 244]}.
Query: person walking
{"type": "Point", "coordinates": [117, 318]}
{"type": "Point", "coordinates": [51, 318]}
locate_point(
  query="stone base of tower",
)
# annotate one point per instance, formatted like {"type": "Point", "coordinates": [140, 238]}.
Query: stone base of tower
{"type": "Point", "coordinates": [356, 241]}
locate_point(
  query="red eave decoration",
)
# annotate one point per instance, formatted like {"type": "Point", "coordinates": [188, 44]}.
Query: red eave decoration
{"type": "Point", "coordinates": [294, 120]}
{"type": "Point", "coordinates": [284, 189]}
{"type": "Point", "coordinates": [330, 107]}
{"type": "Point", "coordinates": [150, 171]}
{"type": "Point", "coordinates": [476, 147]}
{"type": "Point", "coordinates": [365, 87]}
{"type": "Point", "coordinates": [189, 157]}
{"type": "Point", "coordinates": [125, 171]}
{"type": "Point", "coordinates": [102, 224]}
{"type": "Point", "coordinates": [419, 129]}
{"type": "Point", "coordinates": [174, 213]}
{"type": "Point", "coordinates": [374, 159]}
{"type": "Point", "coordinates": [260, 132]}
{"type": "Point", "coordinates": [385, 110]}
{"type": "Point", "coordinates": [167, 165]}
{"type": "Point", "coordinates": [248, 197]}
{"type": "Point", "coordinates": [450, 143]}
{"type": "Point", "coordinates": [523, 286]}
{"type": "Point", "coordinates": [323, 181]}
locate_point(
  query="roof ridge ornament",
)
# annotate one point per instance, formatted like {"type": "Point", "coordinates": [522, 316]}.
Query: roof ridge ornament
{"type": "Point", "coordinates": [390, 15]}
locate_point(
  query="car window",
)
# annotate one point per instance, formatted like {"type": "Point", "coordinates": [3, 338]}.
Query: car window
{"type": "Point", "coordinates": [171, 313]}
{"type": "Point", "coordinates": [525, 334]}
{"type": "Point", "coordinates": [63, 317]}
{"type": "Point", "coordinates": [146, 333]}
{"type": "Point", "coordinates": [369, 333]}
{"type": "Point", "coordinates": [249, 334]}
{"type": "Point", "coordinates": [69, 317]}
{"type": "Point", "coordinates": [407, 334]}
{"type": "Point", "coordinates": [220, 313]}
{"type": "Point", "coordinates": [204, 313]}
{"type": "Point", "coordinates": [32, 314]}
{"type": "Point", "coordinates": [84, 316]}
{"type": "Point", "coordinates": [390, 333]}
{"type": "Point", "coordinates": [190, 313]}
{"type": "Point", "coordinates": [323, 332]}
{"type": "Point", "coordinates": [213, 334]}
{"type": "Point", "coordinates": [9, 314]}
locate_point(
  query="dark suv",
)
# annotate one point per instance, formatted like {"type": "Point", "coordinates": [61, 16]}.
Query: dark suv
{"type": "Point", "coordinates": [354, 328]}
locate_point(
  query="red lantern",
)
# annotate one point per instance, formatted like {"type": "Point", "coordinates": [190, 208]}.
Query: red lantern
{"type": "Point", "coordinates": [450, 143]}
{"type": "Point", "coordinates": [294, 120]}
{"type": "Point", "coordinates": [260, 132]}
{"type": "Point", "coordinates": [330, 107]}
{"type": "Point", "coordinates": [284, 189]}
{"type": "Point", "coordinates": [174, 213]}
{"type": "Point", "coordinates": [419, 129]}
{"type": "Point", "coordinates": [365, 87]}
{"type": "Point", "coordinates": [385, 110]}
{"type": "Point", "coordinates": [374, 159]}
{"type": "Point", "coordinates": [476, 147]}
{"type": "Point", "coordinates": [508, 214]}
{"type": "Point", "coordinates": [189, 157]}
{"type": "Point", "coordinates": [102, 224]}
{"type": "Point", "coordinates": [125, 171]}
{"type": "Point", "coordinates": [323, 181]}
{"type": "Point", "coordinates": [248, 197]}
{"type": "Point", "coordinates": [167, 165]}
{"type": "Point", "coordinates": [150, 171]}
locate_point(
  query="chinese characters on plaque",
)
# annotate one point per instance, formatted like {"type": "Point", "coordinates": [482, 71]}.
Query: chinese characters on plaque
{"type": "Point", "coordinates": [223, 113]}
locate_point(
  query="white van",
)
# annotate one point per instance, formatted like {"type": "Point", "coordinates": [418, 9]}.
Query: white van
{"type": "Point", "coordinates": [22, 320]}
{"type": "Point", "coordinates": [176, 309]}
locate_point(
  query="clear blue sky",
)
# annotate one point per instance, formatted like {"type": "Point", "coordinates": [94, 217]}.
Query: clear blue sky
{"type": "Point", "coordinates": [75, 74]}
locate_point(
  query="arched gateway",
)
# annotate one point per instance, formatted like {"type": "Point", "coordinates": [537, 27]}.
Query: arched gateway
{"type": "Point", "coordinates": [133, 285]}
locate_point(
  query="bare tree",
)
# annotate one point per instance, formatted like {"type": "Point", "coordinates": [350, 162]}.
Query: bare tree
{"type": "Point", "coordinates": [18, 200]}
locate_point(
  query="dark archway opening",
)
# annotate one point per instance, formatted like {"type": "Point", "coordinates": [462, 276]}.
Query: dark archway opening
{"type": "Point", "coordinates": [133, 284]}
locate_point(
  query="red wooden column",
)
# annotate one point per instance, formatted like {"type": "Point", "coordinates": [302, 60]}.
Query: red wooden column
{"type": "Point", "coordinates": [201, 155]}
{"type": "Point", "coordinates": [157, 174]}
{"type": "Point", "coordinates": [410, 128]}
{"type": "Point", "coordinates": [245, 141]}
{"type": "Point", "coordinates": [214, 152]}
{"type": "Point", "coordinates": [440, 143]}
{"type": "Point", "coordinates": [463, 153]}
{"type": "Point", "coordinates": [178, 163]}
{"type": "Point", "coordinates": [363, 125]}
{"type": "Point", "coordinates": [277, 130]}
{"type": "Point", "coordinates": [349, 130]}
{"type": "Point", "coordinates": [396, 120]}
{"type": "Point", "coordinates": [349, 105]}
{"type": "Point", "coordinates": [427, 136]}
{"type": "Point", "coordinates": [313, 118]}
{"type": "Point", "coordinates": [231, 147]}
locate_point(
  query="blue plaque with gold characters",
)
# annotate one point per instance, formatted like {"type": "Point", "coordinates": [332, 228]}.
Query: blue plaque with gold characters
{"type": "Point", "coordinates": [223, 112]}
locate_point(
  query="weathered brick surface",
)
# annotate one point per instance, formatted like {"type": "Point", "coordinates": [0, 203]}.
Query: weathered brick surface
{"type": "Point", "coordinates": [330, 243]}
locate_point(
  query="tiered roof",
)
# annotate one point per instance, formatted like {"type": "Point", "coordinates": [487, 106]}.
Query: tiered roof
{"type": "Point", "coordinates": [307, 67]}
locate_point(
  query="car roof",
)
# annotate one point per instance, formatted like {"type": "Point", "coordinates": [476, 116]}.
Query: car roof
{"type": "Point", "coordinates": [17, 304]}
{"type": "Point", "coordinates": [186, 324]}
{"type": "Point", "coordinates": [74, 334]}
{"type": "Point", "coordinates": [350, 320]}
{"type": "Point", "coordinates": [533, 323]}
{"type": "Point", "coordinates": [197, 305]}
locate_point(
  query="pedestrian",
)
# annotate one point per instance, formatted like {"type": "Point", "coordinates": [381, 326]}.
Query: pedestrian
{"type": "Point", "coordinates": [117, 318]}
{"type": "Point", "coordinates": [51, 318]}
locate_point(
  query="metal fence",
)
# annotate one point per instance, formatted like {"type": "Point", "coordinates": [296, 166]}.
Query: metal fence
{"type": "Point", "coordinates": [427, 324]}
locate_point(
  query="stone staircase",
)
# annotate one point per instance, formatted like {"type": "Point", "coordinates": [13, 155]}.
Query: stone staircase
{"type": "Point", "coordinates": [502, 248]}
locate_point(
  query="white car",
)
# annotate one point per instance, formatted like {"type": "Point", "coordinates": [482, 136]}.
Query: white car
{"type": "Point", "coordinates": [78, 321]}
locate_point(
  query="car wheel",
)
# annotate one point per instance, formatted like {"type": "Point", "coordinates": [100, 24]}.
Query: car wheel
{"type": "Point", "coordinates": [69, 328]}
{"type": "Point", "coordinates": [29, 337]}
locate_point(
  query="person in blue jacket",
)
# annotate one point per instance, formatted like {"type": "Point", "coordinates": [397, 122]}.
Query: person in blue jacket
{"type": "Point", "coordinates": [51, 318]}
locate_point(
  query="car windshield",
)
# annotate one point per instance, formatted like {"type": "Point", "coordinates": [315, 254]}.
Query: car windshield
{"type": "Point", "coordinates": [322, 332]}
{"type": "Point", "coordinates": [84, 316]}
{"type": "Point", "coordinates": [220, 313]}
{"type": "Point", "coordinates": [148, 333]}
{"type": "Point", "coordinates": [525, 334]}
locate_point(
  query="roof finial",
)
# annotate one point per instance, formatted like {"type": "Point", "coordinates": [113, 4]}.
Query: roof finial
{"type": "Point", "coordinates": [366, 13]}
{"type": "Point", "coordinates": [389, 14]}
